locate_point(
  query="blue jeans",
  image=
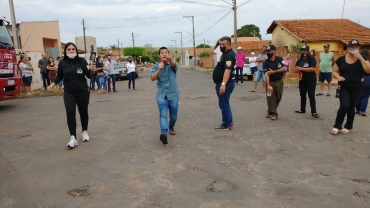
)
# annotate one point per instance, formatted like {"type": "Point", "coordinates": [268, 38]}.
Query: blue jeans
{"type": "Point", "coordinates": [131, 77]}
{"type": "Point", "coordinates": [102, 83]}
{"type": "Point", "coordinates": [165, 106]}
{"type": "Point", "coordinates": [364, 99]}
{"type": "Point", "coordinates": [224, 103]}
{"type": "Point", "coordinates": [259, 75]}
{"type": "Point", "coordinates": [94, 79]}
{"type": "Point", "coordinates": [113, 76]}
{"type": "Point", "coordinates": [239, 74]}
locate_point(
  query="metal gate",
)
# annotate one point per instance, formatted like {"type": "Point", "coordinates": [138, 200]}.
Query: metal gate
{"type": "Point", "coordinates": [53, 52]}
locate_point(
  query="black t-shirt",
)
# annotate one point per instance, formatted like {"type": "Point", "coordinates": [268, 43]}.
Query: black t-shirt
{"type": "Point", "coordinates": [307, 63]}
{"type": "Point", "coordinates": [274, 65]}
{"type": "Point", "coordinates": [352, 73]}
{"type": "Point", "coordinates": [227, 61]}
{"type": "Point", "coordinates": [74, 72]}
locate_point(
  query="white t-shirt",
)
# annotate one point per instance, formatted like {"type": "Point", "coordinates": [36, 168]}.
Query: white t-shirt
{"type": "Point", "coordinates": [25, 72]}
{"type": "Point", "coordinates": [131, 67]}
{"type": "Point", "coordinates": [106, 64]}
{"type": "Point", "coordinates": [252, 64]}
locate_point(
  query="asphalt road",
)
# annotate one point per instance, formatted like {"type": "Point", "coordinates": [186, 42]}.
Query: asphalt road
{"type": "Point", "coordinates": [291, 162]}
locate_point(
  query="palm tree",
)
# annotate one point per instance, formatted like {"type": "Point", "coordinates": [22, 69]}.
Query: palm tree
{"type": "Point", "coordinates": [113, 47]}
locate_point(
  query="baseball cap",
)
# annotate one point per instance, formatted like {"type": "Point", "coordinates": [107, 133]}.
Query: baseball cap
{"type": "Point", "coordinates": [305, 48]}
{"type": "Point", "coordinates": [240, 48]}
{"type": "Point", "coordinates": [270, 48]}
{"type": "Point", "coordinates": [353, 42]}
{"type": "Point", "coordinates": [327, 45]}
{"type": "Point", "coordinates": [252, 53]}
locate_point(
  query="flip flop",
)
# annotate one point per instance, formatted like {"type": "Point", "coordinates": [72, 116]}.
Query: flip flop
{"type": "Point", "coordinates": [334, 131]}
{"type": "Point", "coordinates": [316, 115]}
{"type": "Point", "coordinates": [319, 94]}
{"type": "Point", "coordinates": [253, 91]}
{"type": "Point", "coordinates": [344, 131]}
{"type": "Point", "coordinates": [299, 111]}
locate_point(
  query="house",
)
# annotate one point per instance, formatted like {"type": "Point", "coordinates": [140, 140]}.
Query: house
{"type": "Point", "coordinates": [35, 38]}
{"type": "Point", "coordinates": [316, 32]}
{"type": "Point", "coordinates": [189, 55]}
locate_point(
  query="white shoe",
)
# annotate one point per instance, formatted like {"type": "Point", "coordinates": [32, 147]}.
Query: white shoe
{"type": "Point", "coordinates": [73, 142]}
{"type": "Point", "coordinates": [85, 136]}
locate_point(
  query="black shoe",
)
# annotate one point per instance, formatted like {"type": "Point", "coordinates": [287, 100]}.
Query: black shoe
{"type": "Point", "coordinates": [163, 138]}
{"type": "Point", "coordinates": [114, 90]}
{"type": "Point", "coordinates": [222, 128]}
{"type": "Point", "coordinates": [358, 112]}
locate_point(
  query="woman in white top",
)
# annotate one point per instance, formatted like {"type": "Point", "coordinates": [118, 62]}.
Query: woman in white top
{"type": "Point", "coordinates": [130, 66]}
{"type": "Point", "coordinates": [26, 74]}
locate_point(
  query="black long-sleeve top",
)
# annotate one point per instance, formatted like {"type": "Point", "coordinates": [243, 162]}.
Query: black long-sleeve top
{"type": "Point", "coordinates": [74, 72]}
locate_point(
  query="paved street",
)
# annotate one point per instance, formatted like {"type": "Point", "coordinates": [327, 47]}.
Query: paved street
{"type": "Point", "coordinates": [291, 162]}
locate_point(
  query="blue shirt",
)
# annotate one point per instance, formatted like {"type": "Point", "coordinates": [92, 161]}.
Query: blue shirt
{"type": "Point", "coordinates": [166, 82]}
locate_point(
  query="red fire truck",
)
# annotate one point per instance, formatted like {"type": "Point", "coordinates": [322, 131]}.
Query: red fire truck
{"type": "Point", "coordinates": [10, 82]}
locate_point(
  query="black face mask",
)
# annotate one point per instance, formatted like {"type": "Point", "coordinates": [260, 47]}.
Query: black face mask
{"type": "Point", "coordinates": [303, 55]}
{"type": "Point", "coordinates": [223, 48]}
{"type": "Point", "coordinates": [130, 61]}
{"type": "Point", "coordinates": [269, 55]}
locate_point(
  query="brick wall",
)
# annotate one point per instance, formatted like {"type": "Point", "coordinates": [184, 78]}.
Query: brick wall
{"type": "Point", "coordinates": [208, 62]}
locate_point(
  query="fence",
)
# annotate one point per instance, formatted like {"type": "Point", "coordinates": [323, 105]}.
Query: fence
{"type": "Point", "coordinates": [207, 61]}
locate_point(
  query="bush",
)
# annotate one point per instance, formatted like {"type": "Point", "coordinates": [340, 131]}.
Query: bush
{"type": "Point", "coordinates": [204, 54]}
{"type": "Point", "coordinates": [177, 58]}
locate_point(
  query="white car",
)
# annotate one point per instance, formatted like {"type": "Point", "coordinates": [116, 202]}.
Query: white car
{"type": "Point", "coordinates": [247, 70]}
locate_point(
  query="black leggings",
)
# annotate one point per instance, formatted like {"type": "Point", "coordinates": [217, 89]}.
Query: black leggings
{"type": "Point", "coordinates": [307, 87]}
{"type": "Point", "coordinates": [131, 77]}
{"type": "Point", "coordinates": [348, 100]}
{"type": "Point", "coordinates": [82, 101]}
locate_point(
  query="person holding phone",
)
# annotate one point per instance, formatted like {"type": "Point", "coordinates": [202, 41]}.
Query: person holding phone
{"type": "Point", "coordinates": [131, 73]}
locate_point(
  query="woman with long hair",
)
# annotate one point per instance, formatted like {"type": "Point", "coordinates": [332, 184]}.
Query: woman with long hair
{"type": "Point", "coordinates": [76, 91]}
{"type": "Point", "coordinates": [51, 68]}
{"type": "Point", "coordinates": [349, 70]}
{"type": "Point", "coordinates": [100, 73]}
{"type": "Point", "coordinates": [288, 63]}
{"type": "Point", "coordinates": [131, 73]}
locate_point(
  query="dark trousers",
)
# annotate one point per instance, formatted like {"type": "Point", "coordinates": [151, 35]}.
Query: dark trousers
{"type": "Point", "coordinates": [45, 79]}
{"type": "Point", "coordinates": [307, 87]}
{"type": "Point", "coordinates": [94, 78]}
{"type": "Point", "coordinates": [82, 101]}
{"type": "Point", "coordinates": [239, 74]}
{"type": "Point", "coordinates": [131, 77]}
{"type": "Point", "coordinates": [224, 103]}
{"type": "Point", "coordinates": [364, 99]}
{"type": "Point", "coordinates": [348, 99]}
{"type": "Point", "coordinates": [273, 101]}
{"type": "Point", "coordinates": [113, 77]}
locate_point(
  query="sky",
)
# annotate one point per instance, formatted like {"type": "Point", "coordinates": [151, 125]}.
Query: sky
{"type": "Point", "coordinates": [156, 21]}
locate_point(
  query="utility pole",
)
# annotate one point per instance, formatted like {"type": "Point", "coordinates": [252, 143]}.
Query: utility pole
{"type": "Point", "coordinates": [235, 25]}
{"type": "Point", "coordinates": [133, 40]}
{"type": "Point", "coordinates": [195, 54]}
{"type": "Point", "coordinates": [83, 25]}
{"type": "Point", "coordinates": [182, 50]}
{"type": "Point", "coordinates": [175, 47]}
{"type": "Point", "coordinates": [204, 44]}
{"type": "Point", "coordinates": [14, 25]}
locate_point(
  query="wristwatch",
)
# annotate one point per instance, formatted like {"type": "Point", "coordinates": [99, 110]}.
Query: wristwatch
{"type": "Point", "coordinates": [223, 83]}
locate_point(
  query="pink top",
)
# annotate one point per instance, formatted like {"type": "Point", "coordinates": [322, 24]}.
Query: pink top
{"type": "Point", "coordinates": [240, 59]}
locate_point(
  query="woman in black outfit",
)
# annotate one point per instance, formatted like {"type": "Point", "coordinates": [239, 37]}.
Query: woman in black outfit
{"type": "Point", "coordinates": [76, 91]}
{"type": "Point", "coordinates": [306, 64]}
{"type": "Point", "coordinates": [349, 70]}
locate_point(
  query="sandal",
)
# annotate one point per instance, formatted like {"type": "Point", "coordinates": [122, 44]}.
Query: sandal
{"type": "Point", "coordinates": [316, 115]}
{"type": "Point", "coordinates": [172, 131]}
{"type": "Point", "coordinates": [253, 91]}
{"type": "Point", "coordinates": [334, 131]}
{"type": "Point", "coordinates": [299, 111]}
{"type": "Point", "coordinates": [344, 131]}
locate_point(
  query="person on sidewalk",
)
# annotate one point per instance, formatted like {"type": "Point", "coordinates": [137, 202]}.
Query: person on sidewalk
{"type": "Point", "coordinates": [274, 68]}
{"type": "Point", "coordinates": [306, 64]}
{"type": "Point", "coordinates": [364, 99]}
{"type": "Point", "coordinates": [240, 60]}
{"type": "Point", "coordinates": [167, 93]}
{"type": "Point", "coordinates": [76, 91]}
{"type": "Point", "coordinates": [260, 73]}
{"type": "Point", "coordinates": [327, 62]}
{"type": "Point", "coordinates": [223, 77]}
{"type": "Point", "coordinates": [349, 69]}
{"type": "Point", "coordinates": [112, 74]}
{"type": "Point", "coordinates": [286, 77]}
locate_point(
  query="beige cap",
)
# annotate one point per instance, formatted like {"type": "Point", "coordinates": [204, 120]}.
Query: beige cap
{"type": "Point", "coordinates": [240, 48]}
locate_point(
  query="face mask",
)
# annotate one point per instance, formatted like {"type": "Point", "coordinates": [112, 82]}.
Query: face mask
{"type": "Point", "coordinates": [239, 51]}
{"type": "Point", "coordinates": [269, 55]}
{"type": "Point", "coordinates": [354, 51]}
{"type": "Point", "coordinates": [71, 55]}
{"type": "Point", "coordinates": [130, 61]}
{"type": "Point", "coordinates": [109, 59]}
{"type": "Point", "coordinates": [222, 48]}
{"type": "Point", "coordinates": [303, 55]}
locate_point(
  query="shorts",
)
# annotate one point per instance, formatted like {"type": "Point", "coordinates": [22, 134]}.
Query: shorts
{"type": "Point", "coordinates": [60, 84]}
{"type": "Point", "coordinates": [259, 75]}
{"type": "Point", "coordinates": [325, 76]}
{"type": "Point", "coordinates": [253, 69]}
{"type": "Point", "coordinates": [27, 81]}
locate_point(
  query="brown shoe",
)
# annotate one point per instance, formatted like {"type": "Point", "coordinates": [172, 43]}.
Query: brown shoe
{"type": "Point", "coordinates": [172, 131]}
{"type": "Point", "coordinates": [273, 118]}
{"type": "Point", "coordinates": [268, 115]}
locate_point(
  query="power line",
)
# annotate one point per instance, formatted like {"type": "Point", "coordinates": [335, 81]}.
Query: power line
{"type": "Point", "coordinates": [200, 3]}
{"type": "Point", "coordinates": [214, 24]}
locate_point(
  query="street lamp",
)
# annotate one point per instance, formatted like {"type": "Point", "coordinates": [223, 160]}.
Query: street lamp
{"type": "Point", "coordinates": [182, 50]}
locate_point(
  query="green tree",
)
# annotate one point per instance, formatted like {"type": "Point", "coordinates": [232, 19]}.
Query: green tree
{"type": "Point", "coordinates": [203, 46]}
{"type": "Point", "coordinates": [248, 31]}
{"type": "Point", "coordinates": [154, 57]}
{"type": "Point", "coordinates": [135, 52]}
{"type": "Point", "coordinates": [112, 47]}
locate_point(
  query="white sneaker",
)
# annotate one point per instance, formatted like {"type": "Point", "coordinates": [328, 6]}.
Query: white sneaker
{"type": "Point", "coordinates": [73, 142]}
{"type": "Point", "coordinates": [85, 136]}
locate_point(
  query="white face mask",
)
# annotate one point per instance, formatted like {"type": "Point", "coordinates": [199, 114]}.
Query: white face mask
{"type": "Point", "coordinates": [71, 55]}
{"type": "Point", "coordinates": [354, 51]}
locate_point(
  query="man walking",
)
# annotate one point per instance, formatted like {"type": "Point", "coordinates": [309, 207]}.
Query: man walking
{"type": "Point", "coordinates": [275, 68]}
{"type": "Point", "coordinates": [223, 77]}
{"type": "Point", "coordinates": [44, 75]}
{"type": "Point", "coordinates": [327, 62]}
{"type": "Point", "coordinates": [240, 59]}
{"type": "Point", "coordinates": [112, 74]}
{"type": "Point", "coordinates": [260, 73]}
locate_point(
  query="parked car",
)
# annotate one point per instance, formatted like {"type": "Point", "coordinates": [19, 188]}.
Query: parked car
{"type": "Point", "coordinates": [121, 71]}
{"type": "Point", "coordinates": [246, 69]}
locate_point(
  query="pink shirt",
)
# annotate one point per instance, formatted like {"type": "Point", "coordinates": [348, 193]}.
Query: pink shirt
{"type": "Point", "coordinates": [240, 59]}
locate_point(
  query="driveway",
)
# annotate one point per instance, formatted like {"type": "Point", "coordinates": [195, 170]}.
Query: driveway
{"type": "Point", "coordinates": [291, 162]}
